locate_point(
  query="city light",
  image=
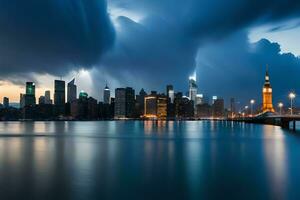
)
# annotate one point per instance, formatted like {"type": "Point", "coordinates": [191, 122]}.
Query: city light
{"type": "Point", "coordinates": [252, 102]}
{"type": "Point", "coordinates": [280, 105]}
{"type": "Point", "coordinates": [292, 96]}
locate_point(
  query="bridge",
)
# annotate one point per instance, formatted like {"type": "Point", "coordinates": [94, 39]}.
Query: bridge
{"type": "Point", "coordinates": [283, 121]}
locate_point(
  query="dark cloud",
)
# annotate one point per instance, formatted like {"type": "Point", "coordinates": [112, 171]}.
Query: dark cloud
{"type": "Point", "coordinates": [161, 48]}
{"type": "Point", "coordinates": [52, 36]}
{"type": "Point", "coordinates": [236, 68]}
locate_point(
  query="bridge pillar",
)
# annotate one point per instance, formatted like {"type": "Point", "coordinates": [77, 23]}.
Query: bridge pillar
{"type": "Point", "coordinates": [294, 125]}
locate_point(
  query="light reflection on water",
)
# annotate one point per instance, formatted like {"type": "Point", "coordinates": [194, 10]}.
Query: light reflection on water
{"type": "Point", "coordinates": [147, 160]}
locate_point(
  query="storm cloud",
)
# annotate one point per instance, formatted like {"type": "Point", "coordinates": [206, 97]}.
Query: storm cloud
{"type": "Point", "coordinates": [147, 43]}
{"type": "Point", "coordinates": [52, 36]}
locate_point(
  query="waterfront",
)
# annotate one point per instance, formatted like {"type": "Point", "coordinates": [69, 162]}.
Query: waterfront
{"type": "Point", "coordinates": [148, 160]}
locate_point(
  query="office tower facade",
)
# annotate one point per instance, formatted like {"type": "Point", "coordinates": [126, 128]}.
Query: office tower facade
{"type": "Point", "coordinates": [5, 102]}
{"type": "Point", "coordinates": [59, 97]}
{"type": "Point", "coordinates": [71, 91]}
{"type": "Point", "coordinates": [48, 97]}
{"type": "Point", "coordinates": [140, 100]}
{"type": "Point", "coordinates": [199, 99]}
{"type": "Point", "coordinates": [120, 103]}
{"type": "Point", "coordinates": [30, 88]}
{"type": "Point", "coordinates": [130, 102]}
{"type": "Point", "coordinates": [106, 95]}
{"type": "Point", "coordinates": [214, 98]}
{"type": "Point", "coordinates": [232, 106]}
{"type": "Point", "coordinates": [42, 100]}
{"type": "Point", "coordinates": [29, 97]}
{"type": "Point", "coordinates": [124, 102]}
{"type": "Point", "coordinates": [156, 106]}
{"type": "Point", "coordinates": [22, 100]}
{"type": "Point", "coordinates": [170, 93]}
{"type": "Point", "coordinates": [218, 108]}
{"type": "Point", "coordinates": [193, 88]}
{"type": "Point", "coordinates": [267, 95]}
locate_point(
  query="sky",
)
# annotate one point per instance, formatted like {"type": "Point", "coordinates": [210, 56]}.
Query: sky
{"type": "Point", "coordinates": [149, 44]}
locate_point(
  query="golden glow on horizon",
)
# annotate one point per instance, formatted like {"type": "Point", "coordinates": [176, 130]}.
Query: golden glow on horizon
{"type": "Point", "coordinates": [13, 91]}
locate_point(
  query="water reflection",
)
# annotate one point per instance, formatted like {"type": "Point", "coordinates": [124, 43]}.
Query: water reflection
{"type": "Point", "coordinates": [172, 160]}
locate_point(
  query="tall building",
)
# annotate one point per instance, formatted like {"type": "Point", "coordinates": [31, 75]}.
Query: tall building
{"type": "Point", "coordinates": [71, 91]}
{"type": "Point", "coordinates": [30, 88]}
{"type": "Point", "coordinates": [42, 100]}
{"type": "Point", "coordinates": [59, 97]}
{"type": "Point", "coordinates": [140, 100]}
{"type": "Point", "coordinates": [193, 87]}
{"type": "Point", "coordinates": [5, 102]}
{"type": "Point", "coordinates": [22, 100]}
{"type": "Point", "coordinates": [47, 97]}
{"type": "Point", "coordinates": [156, 106]}
{"type": "Point", "coordinates": [232, 106]}
{"type": "Point", "coordinates": [124, 102]}
{"type": "Point", "coordinates": [267, 95]}
{"type": "Point", "coordinates": [106, 95]}
{"type": "Point", "coordinates": [170, 93]}
{"type": "Point", "coordinates": [218, 108]}
{"type": "Point", "coordinates": [130, 102]}
{"type": "Point", "coordinates": [29, 97]}
{"type": "Point", "coordinates": [199, 99]}
{"type": "Point", "coordinates": [120, 103]}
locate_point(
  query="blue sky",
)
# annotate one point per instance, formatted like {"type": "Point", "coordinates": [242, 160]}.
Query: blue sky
{"type": "Point", "coordinates": [150, 43]}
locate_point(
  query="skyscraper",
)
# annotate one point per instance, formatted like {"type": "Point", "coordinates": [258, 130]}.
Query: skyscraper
{"type": "Point", "coordinates": [156, 106]}
{"type": "Point", "coordinates": [170, 93]}
{"type": "Point", "coordinates": [47, 97]}
{"type": "Point", "coordinates": [59, 97]}
{"type": "Point", "coordinates": [120, 103]}
{"type": "Point", "coordinates": [30, 88]}
{"type": "Point", "coordinates": [193, 87]}
{"type": "Point", "coordinates": [124, 102]}
{"type": "Point", "coordinates": [29, 98]}
{"type": "Point", "coordinates": [106, 95]}
{"type": "Point", "coordinates": [130, 102]}
{"type": "Point", "coordinates": [140, 102]}
{"type": "Point", "coordinates": [267, 94]}
{"type": "Point", "coordinates": [5, 102]}
{"type": "Point", "coordinates": [71, 91]}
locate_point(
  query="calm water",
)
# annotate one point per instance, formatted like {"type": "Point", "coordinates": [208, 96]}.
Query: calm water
{"type": "Point", "coordinates": [147, 160]}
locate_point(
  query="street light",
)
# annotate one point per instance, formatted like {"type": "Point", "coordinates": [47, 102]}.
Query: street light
{"type": "Point", "coordinates": [252, 102]}
{"type": "Point", "coordinates": [280, 105]}
{"type": "Point", "coordinates": [292, 97]}
{"type": "Point", "coordinates": [246, 108]}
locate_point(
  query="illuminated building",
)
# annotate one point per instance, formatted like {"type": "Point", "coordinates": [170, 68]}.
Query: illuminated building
{"type": "Point", "coordinates": [106, 95]}
{"type": "Point", "coordinates": [155, 106]}
{"type": "Point", "coordinates": [214, 98]}
{"type": "Point", "coordinates": [71, 91]}
{"type": "Point", "coordinates": [59, 97]}
{"type": "Point", "coordinates": [267, 95]}
{"type": "Point", "coordinates": [29, 97]}
{"type": "Point", "coordinates": [199, 99]}
{"type": "Point", "coordinates": [170, 93]}
{"type": "Point", "coordinates": [30, 88]}
{"type": "Point", "coordinates": [193, 87]}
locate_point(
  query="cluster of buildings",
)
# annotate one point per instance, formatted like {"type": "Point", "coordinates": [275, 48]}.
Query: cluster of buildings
{"type": "Point", "coordinates": [125, 104]}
